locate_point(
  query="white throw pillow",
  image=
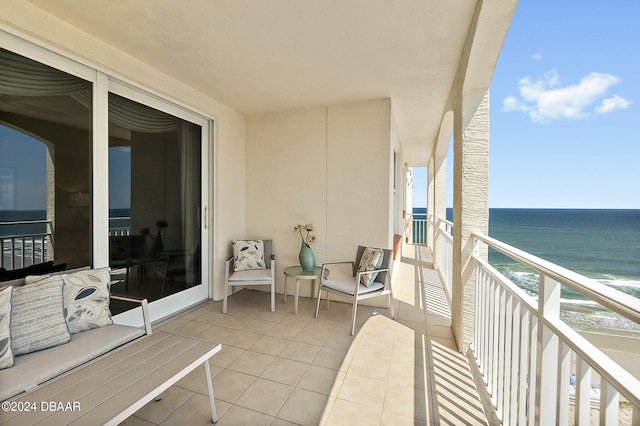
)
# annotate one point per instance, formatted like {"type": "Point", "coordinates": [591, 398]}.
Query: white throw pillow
{"type": "Point", "coordinates": [248, 255]}
{"type": "Point", "coordinates": [371, 259]}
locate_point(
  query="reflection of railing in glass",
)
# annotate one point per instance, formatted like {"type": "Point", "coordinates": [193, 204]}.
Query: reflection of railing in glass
{"type": "Point", "coordinates": [119, 226]}
{"type": "Point", "coordinates": [20, 246]}
{"type": "Point", "coordinates": [21, 249]}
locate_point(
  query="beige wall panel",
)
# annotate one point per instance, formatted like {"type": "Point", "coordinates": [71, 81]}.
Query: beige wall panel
{"type": "Point", "coordinates": [286, 182]}
{"type": "Point", "coordinates": [358, 177]}
{"type": "Point", "coordinates": [359, 180]}
{"type": "Point", "coordinates": [327, 166]}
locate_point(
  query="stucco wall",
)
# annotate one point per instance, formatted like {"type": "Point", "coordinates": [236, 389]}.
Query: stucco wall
{"type": "Point", "coordinates": [327, 166]}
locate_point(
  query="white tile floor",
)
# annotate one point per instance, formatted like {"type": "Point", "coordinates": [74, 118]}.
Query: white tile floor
{"type": "Point", "coordinates": [277, 368]}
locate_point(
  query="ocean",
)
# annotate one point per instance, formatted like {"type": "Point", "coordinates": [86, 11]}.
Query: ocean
{"type": "Point", "coordinates": [600, 244]}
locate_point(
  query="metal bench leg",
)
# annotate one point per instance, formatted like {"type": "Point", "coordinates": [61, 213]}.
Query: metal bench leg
{"type": "Point", "coordinates": [214, 415]}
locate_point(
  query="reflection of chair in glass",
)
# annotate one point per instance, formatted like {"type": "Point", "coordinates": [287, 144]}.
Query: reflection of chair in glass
{"type": "Point", "coordinates": [370, 277]}
{"type": "Point", "coordinates": [243, 270]}
{"type": "Point", "coordinates": [126, 251]}
{"type": "Point", "coordinates": [176, 263]}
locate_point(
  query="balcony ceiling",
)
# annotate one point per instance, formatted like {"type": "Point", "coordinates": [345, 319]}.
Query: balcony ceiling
{"type": "Point", "coordinates": [262, 56]}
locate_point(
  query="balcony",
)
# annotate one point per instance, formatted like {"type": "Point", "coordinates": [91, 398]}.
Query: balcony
{"type": "Point", "coordinates": [407, 371]}
{"type": "Point", "coordinates": [410, 371]}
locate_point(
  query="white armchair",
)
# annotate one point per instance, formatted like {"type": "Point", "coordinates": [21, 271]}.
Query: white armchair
{"type": "Point", "coordinates": [371, 278]}
{"type": "Point", "coordinates": [250, 266]}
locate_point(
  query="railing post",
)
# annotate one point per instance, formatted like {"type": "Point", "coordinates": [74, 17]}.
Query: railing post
{"type": "Point", "coordinates": [583, 392]}
{"type": "Point", "coordinates": [609, 403]}
{"type": "Point", "coordinates": [547, 353]}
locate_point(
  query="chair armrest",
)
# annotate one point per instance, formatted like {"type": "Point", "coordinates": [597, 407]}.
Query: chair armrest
{"type": "Point", "coordinates": [374, 270]}
{"type": "Point", "coordinates": [338, 263]}
{"type": "Point", "coordinates": [146, 317]}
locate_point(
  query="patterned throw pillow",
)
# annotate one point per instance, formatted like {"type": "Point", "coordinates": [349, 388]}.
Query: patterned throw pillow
{"type": "Point", "coordinates": [86, 298]}
{"type": "Point", "coordinates": [371, 259]}
{"type": "Point", "coordinates": [37, 320]}
{"type": "Point", "coordinates": [248, 255]}
{"type": "Point", "coordinates": [6, 355]}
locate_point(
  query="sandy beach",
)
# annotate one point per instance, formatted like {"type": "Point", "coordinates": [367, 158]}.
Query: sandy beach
{"type": "Point", "coordinates": [626, 352]}
{"type": "Point", "coordinates": [623, 350]}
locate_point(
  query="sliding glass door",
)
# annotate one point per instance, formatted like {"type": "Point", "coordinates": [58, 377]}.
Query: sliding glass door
{"type": "Point", "coordinates": [97, 172]}
{"type": "Point", "coordinates": [155, 168]}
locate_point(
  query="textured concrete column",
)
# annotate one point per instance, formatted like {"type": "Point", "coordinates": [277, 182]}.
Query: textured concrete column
{"type": "Point", "coordinates": [470, 212]}
{"type": "Point", "coordinates": [431, 206]}
{"type": "Point", "coordinates": [438, 194]}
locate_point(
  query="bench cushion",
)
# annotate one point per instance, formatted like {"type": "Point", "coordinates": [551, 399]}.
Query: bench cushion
{"type": "Point", "coordinates": [37, 367]}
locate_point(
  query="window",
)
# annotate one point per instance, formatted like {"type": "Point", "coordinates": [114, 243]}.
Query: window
{"type": "Point", "coordinates": [45, 164]}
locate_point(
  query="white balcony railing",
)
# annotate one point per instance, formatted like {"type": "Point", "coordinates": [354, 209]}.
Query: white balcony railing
{"type": "Point", "coordinates": [444, 240]}
{"type": "Point", "coordinates": [419, 228]}
{"type": "Point", "coordinates": [528, 355]}
{"type": "Point", "coordinates": [19, 249]}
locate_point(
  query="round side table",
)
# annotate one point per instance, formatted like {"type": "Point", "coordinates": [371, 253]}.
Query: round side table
{"type": "Point", "coordinates": [297, 273]}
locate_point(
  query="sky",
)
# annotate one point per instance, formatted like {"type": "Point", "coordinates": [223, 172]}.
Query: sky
{"type": "Point", "coordinates": [565, 109]}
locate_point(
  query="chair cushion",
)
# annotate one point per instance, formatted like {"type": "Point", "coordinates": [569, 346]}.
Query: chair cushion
{"type": "Point", "coordinates": [6, 355]}
{"type": "Point", "coordinates": [347, 285]}
{"type": "Point", "coordinates": [37, 319]}
{"type": "Point", "coordinates": [248, 255]}
{"type": "Point", "coordinates": [371, 259]}
{"type": "Point", "coordinates": [252, 275]}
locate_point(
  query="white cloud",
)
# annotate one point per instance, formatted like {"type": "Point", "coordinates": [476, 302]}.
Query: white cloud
{"type": "Point", "coordinates": [611, 104]}
{"type": "Point", "coordinates": [545, 99]}
{"type": "Point", "coordinates": [537, 56]}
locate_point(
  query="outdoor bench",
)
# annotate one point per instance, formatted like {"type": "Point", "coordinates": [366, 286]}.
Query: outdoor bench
{"type": "Point", "coordinates": [100, 375]}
